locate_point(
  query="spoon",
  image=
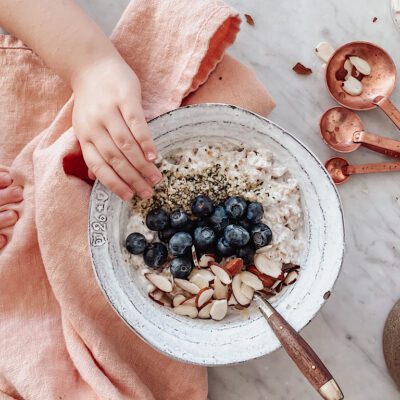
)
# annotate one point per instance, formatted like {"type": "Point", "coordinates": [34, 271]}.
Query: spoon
{"type": "Point", "coordinates": [340, 170]}
{"type": "Point", "coordinates": [377, 87]}
{"type": "Point", "coordinates": [300, 352]}
{"type": "Point", "coordinates": [343, 131]}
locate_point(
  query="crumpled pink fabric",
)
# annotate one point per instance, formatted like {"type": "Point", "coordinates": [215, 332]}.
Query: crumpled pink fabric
{"type": "Point", "coordinates": [59, 338]}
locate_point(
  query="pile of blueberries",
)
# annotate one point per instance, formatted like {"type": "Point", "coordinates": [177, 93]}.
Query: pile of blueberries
{"type": "Point", "coordinates": [227, 229]}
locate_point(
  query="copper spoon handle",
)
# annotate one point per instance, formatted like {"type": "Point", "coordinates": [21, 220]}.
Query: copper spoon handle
{"type": "Point", "coordinates": [389, 109]}
{"type": "Point", "coordinates": [371, 168]}
{"type": "Point", "coordinates": [300, 352]}
{"type": "Point", "coordinates": [377, 141]}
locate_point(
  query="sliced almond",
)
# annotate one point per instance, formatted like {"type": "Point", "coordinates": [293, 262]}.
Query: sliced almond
{"type": "Point", "coordinates": [204, 296]}
{"type": "Point", "coordinates": [237, 292]}
{"type": "Point", "coordinates": [161, 298]}
{"type": "Point", "coordinates": [218, 310]}
{"type": "Point", "coordinates": [267, 280]}
{"type": "Point", "coordinates": [324, 51]}
{"type": "Point", "coordinates": [247, 291]}
{"type": "Point", "coordinates": [353, 86]}
{"type": "Point", "coordinates": [267, 266]}
{"type": "Point", "coordinates": [234, 266]}
{"type": "Point", "coordinates": [291, 278]}
{"type": "Point", "coordinates": [361, 65]}
{"type": "Point", "coordinates": [275, 285]}
{"type": "Point", "coordinates": [222, 274]}
{"type": "Point", "coordinates": [205, 259]}
{"type": "Point", "coordinates": [178, 300]}
{"type": "Point", "coordinates": [191, 301]}
{"type": "Point", "coordinates": [220, 290]}
{"type": "Point", "coordinates": [157, 294]}
{"type": "Point", "coordinates": [199, 281]}
{"type": "Point", "coordinates": [232, 300]}
{"type": "Point", "coordinates": [251, 280]}
{"type": "Point", "coordinates": [194, 257]}
{"type": "Point", "coordinates": [204, 313]}
{"type": "Point", "coordinates": [186, 285]}
{"type": "Point", "coordinates": [160, 282]}
{"type": "Point", "coordinates": [186, 310]}
{"type": "Point", "coordinates": [348, 66]}
{"type": "Point", "coordinates": [204, 273]}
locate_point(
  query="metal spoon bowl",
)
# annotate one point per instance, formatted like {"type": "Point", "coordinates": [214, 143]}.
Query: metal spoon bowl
{"type": "Point", "coordinates": [343, 131]}
{"type": "Point", "coordinates": [380, 83]}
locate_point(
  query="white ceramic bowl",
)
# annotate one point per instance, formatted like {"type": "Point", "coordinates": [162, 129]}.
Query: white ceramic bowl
{"type": "Point", "coordinates": [236, 338]}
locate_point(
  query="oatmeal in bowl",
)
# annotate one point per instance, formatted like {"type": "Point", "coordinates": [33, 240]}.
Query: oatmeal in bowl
{"type": "Point", "coordinates": [225, 222]}
{"type": "Point", "coordinates": [244, 207]}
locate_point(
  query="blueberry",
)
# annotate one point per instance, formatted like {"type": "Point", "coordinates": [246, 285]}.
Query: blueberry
{"type": "Point", "coordinates": [155, 255]}
{"type": "Point", "coordinates": [245, 223]}
{"type": "Point", "coordinates": [255, 212]}
{"type": "Point", "coordinates": [246, 253]}
{"type": "Point", "coordinates": [219, 219]}
{"type": "Point", "coordinates": [166, 234]}
{"type": "Point", "coordinates": [223, 248]}
{"type": "Point", "coordinates": [204, 237]}
{"type": "Point", "coordinates": [180, 244]}
{"type": "Point", "coordinates": [235, 207]}
{"type": "Point", "coordinates": [202, 206]}
{"type": "Point", "coordinates": [236, 236]}
{"type": "Point", "coordinates": [136, 243]}
{"type": "Point", "coordinates": [189, 227]}
{"type": "Point", "coordinates": [181, 267]}
{"type": "Point", "coordinates": [157, 219]}
{"type": "Point", "coordinates": [178, 219]}
{"type": "Point", "coordinates": [261, 235]}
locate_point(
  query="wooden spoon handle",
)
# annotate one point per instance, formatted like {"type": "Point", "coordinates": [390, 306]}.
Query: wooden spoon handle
{"type": "Point", "coordinates": [303, 355]}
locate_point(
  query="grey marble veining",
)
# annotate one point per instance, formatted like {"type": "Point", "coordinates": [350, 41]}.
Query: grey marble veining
{"type": "Point", "coordinates": [347, 333]}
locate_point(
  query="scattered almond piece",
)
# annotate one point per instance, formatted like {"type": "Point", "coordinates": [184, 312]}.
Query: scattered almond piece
{"type": "Point", "coordinates": [186, 285]}
{"type": "Point", "coordinates": [301, 69]}
{"type": "Point", "coordinates": [203, 296]}
{"type": "Point", "coordinates": [232, 300]}
{"type": "Point", "coordinates": [251, 280]}
{"type": "Point", "coordinates": [191, 301]}
{"type": "Point", "coordinates": [291, 278]}
{"type": "Point", "coordinates": [160, 282]}
{"type": "Point", "coordinates": [221, 273]}
{"type": "Point", "coordinates": [204, 313]}
{"type": "Point", "coordinates": [249, 19]}
{"type": "Point", "coordinates": [178, 300]}
{"type": "Point", "coordinates": [205, 259]}
{"type": "Point", "coordinates": [186, 310]}
{"type": "Point", "coordinates": [218, 309]}
{"type": "Point", "coordinates": [267, 266]}
{"type": "Point", "coordinates": [324, 51]}
{"type": "Point", "coordinates": [237, 291]}
{"type": "Point", "coordinates": [348, 66]}
{"type": "Point", "coordinates": [220, 290]}
{"type": "Point", "coordinates": [268, 281]}
{"type": "Point", "coordinates": [353, 86]}
{"type": "Point", "coordinates": [361, 65]}
{"type": "Point", "coordinates": [234, 266]}
{"type": "Point", "coordinates": [199, 281]}
{"type": "Point", "coordinates": [247, 291]}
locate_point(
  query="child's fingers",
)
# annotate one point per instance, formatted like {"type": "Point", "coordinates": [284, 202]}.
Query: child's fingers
{"type": "Point", "coordinates": [127, 144]}
{"type": "Point", "coordinates": [91, 175]}
{"type": "Point", "coordinates": [5, 179]}
{"type": "Point", "coordinates": [137, 124]}
{"type": "Point", "coordinates": [104, 172]}
{"type": "Point", "coordinates": [117, 161]}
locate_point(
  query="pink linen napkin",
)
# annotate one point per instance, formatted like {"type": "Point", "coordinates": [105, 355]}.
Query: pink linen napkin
{"type": "Point", "coordinates": [59, 338]}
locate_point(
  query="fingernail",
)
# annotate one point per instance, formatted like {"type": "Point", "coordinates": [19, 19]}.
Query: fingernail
{"type": "Point", "coordinates": [151, 156]}
{"type": "Point", "coordinates": [127, 196]}
{"type": "Point", "coordinates": [156, 179]}
{"type": "Point", "coordinates": [17, 191]}
{"type": "Point", "coordinates": [6, 178]}
{"type": "Point", "coordinates": [146, 194]}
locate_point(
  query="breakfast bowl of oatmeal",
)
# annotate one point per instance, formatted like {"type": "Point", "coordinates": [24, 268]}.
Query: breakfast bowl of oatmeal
{"type": "Point", "coordinates": [244, 207]}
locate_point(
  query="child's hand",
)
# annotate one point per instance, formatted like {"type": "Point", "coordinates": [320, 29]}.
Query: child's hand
{"type": "Point", "coordinates": [109, 122]}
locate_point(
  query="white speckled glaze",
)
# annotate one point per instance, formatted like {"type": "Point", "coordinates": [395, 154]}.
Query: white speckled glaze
{"type": "Point", "coordinates": [239, 337]}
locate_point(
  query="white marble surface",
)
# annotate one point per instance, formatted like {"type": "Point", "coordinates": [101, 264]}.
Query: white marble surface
{"type": "Point", "coordinates": [347, 333]}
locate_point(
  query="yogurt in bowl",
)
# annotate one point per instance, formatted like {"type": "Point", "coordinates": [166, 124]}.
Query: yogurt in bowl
{"type": "Point", "coordinates": [316, 241]}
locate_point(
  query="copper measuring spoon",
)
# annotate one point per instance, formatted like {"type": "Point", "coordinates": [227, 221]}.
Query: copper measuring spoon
{"type": "Point", "coordinates": [377, 87]}
{"type": "Point", "coordinates": [300, 352]}
{"type": "Point", "coordinates": [344, 132]}
{"type": "Point", "coordinates": [340, 170]}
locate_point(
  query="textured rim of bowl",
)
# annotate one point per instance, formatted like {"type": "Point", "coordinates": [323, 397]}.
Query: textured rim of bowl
{"type": "Point", "coordinates": [216, 362]}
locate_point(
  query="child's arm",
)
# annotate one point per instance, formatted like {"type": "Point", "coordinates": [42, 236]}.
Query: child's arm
{"type": "Point", "coordinates": [108, 118]}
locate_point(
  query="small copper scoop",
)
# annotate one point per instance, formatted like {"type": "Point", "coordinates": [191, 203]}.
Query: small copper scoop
{"type": "Point", "coordinates": [343, 131]}
{"type": "Point", "coordinates": [377, 87]}
{"type": "Point", "coordinates": [340, 170]}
